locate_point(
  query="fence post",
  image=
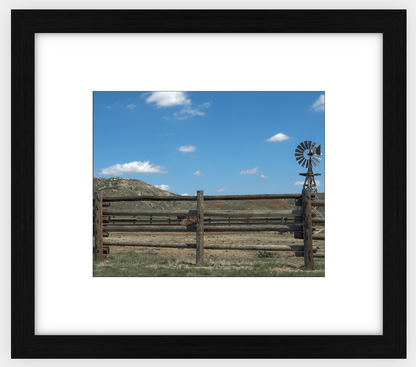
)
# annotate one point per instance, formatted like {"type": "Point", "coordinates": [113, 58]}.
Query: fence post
{"type": "Point", "coordinates": [307, 228]}
{"type": "Point", "coordinates": [200, 228]}
{"type": "Point", "coordinates": [98, 208]}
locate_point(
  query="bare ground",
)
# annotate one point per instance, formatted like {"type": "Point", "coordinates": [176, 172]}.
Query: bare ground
{"type": "Point", "coordinates": [231, 238]}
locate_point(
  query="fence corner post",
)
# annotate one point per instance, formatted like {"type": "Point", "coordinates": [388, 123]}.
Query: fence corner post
{"type": "Point", "coordinates": [307, 228]}
{"type": "Point", "coordinates": [98, 209]}
{"type": "Point", "coordinates": [200, 227]}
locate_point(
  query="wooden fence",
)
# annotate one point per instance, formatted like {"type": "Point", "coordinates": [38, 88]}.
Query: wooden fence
{"type": "Point", "coordinates": [298, 221]}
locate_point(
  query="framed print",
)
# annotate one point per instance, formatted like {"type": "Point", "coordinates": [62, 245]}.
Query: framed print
{"type": "Point", "coordinates": [60, 58]}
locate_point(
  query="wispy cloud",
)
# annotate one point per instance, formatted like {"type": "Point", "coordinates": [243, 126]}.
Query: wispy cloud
{"type": "Point", "coordinates": [132, 167]}
{"type": "Point", "coordinates": [187, 148]}
{"type": "Point", "coordinates": [204, 105]}
{"type": "Point", "coordinates": [197, 173]}
{"type": "Point", "coordinates": [165, 118]}
{"type": "Point", "coordinates": [302, 182]}
{"type": "Point", "coordinates": [144, 95]}
{"type": "Point", "coordinates": [163, 187]}
{"type": "Point", "coordinates": [185, 194]}
{"type": "Point", "coordinates": [263, 176]}
{"type": "Point", "coordinates": [249, 171]}
{"type": "Point", "coordinates": [221, 190]}
{"type": "Point", "coordinates": [168, 99]}
{"type": "Point", "coordinates": [132, 106]}
{"type": "Point", "coordinates": [278, 137]}
{"type": "Point", "coordinates": [319, 104]}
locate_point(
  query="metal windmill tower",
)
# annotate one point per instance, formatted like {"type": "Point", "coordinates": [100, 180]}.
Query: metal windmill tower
{"type": "Point", "coordinates": [307, 154]}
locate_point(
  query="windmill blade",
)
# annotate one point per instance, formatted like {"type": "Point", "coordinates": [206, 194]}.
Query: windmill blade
{"type": "Point", "coordinates": [317, 157]}
{"type": "Point", "coordinates": [298, 155]}
{"type": "Point", "coordinates": [303, 163]}
{"type": "Point", "coordinates": [299, 150]}
{"type": "Point", "coordinates": [315, 161]}
{"type": "Point", "coordinates": [303, 145]}
{"type": "Point", "coordinates": [313, 144]}
{"type": "Point", "coordinates": [300, 147]}
{"type": "Point", "coordinates": [299, 158]}
{"type": "Point", "coordinates": [314, 164]}
{"type": "Point", "coordinates": [309, 144]}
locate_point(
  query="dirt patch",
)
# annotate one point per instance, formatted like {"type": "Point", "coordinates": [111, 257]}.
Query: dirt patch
{"type": "Point", "coordinates": [218, 206]}
{"type": "Point", "coordinates": [226, 238]}
{"type": "Point", "coordinates": [259, 201]}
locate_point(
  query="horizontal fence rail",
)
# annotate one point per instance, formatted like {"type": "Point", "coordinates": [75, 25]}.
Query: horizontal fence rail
{"type": "Point", "coordinates": [206, 198]}
{"type": "Point", "coordinates": [208, 213]}
{"type": "Point", "coordinates": [199, 221]}
{"type": "Point", "coordinates": [225, 228]}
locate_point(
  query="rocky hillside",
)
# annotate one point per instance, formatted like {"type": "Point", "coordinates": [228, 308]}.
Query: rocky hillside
{"type": "Point", "coordinates": [117, 186]}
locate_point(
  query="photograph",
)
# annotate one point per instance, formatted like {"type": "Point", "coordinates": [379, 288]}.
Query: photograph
{"type": "Point", "coordinates": [209, 184]}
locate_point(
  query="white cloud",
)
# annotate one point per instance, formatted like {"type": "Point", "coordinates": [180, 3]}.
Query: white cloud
{"type": "Point", "coordinates": [319, 104]}
{"type": "Point", "coordinates": [144, 94]}
{"type": "Point", "coordinates": [221, 190]}
{"type": "Point", "coordinates": [302, 182]}
{"type": "Point", "coordinates": [187, 148]}
{"type": "Point", "coordinates": [263, 176]}
{"type": "Point", "coordinates": [168, 99]}
{"type": "Point", "coordinates": [165, 118]}
{"type": "Point", "coordinates": [204, 105]}
{"type": "Point", "coordinates": [108, 106]}
{"type": "Point", "coordinates": [163, 187]}
{"type": "Point", "coordinates": [132, 106]}
{"type": "Point", "coordinates": [132, 167]}
{"type": "Point", "coordinates": [186, 194]}
{"type": "Point", "coordinates": [278, 137]}
{"type": "Point", "coordinates": [249, 171]}
{"type": "Point", "coordinates": [197, 173]}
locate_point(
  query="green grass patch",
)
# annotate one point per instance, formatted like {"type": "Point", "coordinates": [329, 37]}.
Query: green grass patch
{"type": "Point", "coordinates": [151, 263]}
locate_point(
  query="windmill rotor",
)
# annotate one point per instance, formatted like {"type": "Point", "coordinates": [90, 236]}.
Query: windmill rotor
{"type": "Point", "coordinates": [307, 153]}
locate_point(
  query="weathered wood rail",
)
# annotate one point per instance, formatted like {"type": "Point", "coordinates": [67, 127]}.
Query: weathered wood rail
{"type": "Point", "coordinates": [301, 223]}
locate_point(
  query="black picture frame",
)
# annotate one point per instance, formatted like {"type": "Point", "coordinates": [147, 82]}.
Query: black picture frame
{"type": "Point", "coordinates": [26, 23]}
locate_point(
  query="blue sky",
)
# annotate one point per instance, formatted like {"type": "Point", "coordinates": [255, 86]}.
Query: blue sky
{"type": "Point", "coordinates": [221, 142]}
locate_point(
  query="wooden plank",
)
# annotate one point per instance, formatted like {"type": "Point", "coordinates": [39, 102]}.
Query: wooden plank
{"type": "Point", "coordinates": [253, 213]}
{"type": "Point", "coordinates": [148, 212]}
{"type": "Point", "coordinates": [200, 228]}
{"type": "Point", "coordinates": [316, 237]}
{"type": "Point", "coordinates": [315, 220]}
{"type": "Point", "coordinates": [193, 198]}
{"type": "Point", "coordinates": [253, 228]}
{"type": "Point", "coordinates": [307, 228]}
{"type": "Point", "coordinates": [153, 228]}
{"type": "Point", "coordinates": [208, 213]}
{"type": "Point", "coordinates": [212, 228]}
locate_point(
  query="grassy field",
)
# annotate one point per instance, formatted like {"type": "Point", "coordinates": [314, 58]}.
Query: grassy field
{"type": "Point", "coordinates": [146, 262]}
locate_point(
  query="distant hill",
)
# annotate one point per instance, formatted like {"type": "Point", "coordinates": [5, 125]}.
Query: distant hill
{"type": "Point", "coordinates": [117, 186]}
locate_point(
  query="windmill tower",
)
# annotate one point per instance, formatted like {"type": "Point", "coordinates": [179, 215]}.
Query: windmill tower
{"type": "Point", "coordinates": [307, 154]}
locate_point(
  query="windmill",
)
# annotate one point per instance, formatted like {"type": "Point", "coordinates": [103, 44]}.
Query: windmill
{"type": "Point", "coordinates": [307, 154]}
